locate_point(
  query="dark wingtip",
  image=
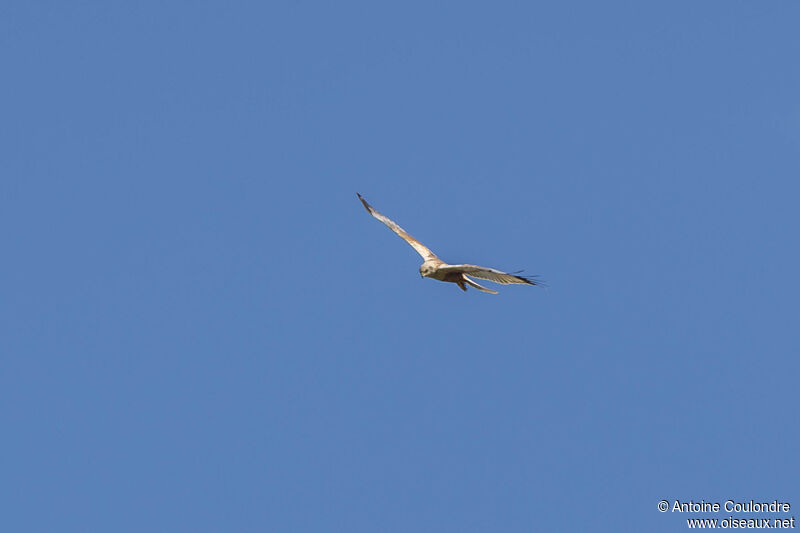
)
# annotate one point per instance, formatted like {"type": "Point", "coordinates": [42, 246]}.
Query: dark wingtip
{"type": "Point", "coordinates": [366, 205]}
{"type": "Point", "coordinates": [532, 280]}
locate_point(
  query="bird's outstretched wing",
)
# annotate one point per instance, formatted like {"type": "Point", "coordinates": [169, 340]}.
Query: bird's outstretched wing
{"type": "Point", "coordinates": [418, 246]}
{"type": "Point", "coordinates": [491, 274]}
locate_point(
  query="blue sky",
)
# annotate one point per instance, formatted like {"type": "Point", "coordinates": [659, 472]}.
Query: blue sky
{"type": "Point", "coordinates": [203, 330]}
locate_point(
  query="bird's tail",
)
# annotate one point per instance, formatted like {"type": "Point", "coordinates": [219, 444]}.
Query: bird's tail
{"type": "Point", "coordinates": [469, 281]}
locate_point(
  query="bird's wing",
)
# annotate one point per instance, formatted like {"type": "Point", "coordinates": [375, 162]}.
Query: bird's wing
{"type": "Point", "coordinates": [491, 274]}
{"type": "Point", "coordinates": [472, 283]}
{"type": "Point", "coordinates": [418, 246]}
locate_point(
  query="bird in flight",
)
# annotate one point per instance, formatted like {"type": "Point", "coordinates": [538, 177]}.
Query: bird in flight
{"type": "Point", "coordinates": [435, 268]}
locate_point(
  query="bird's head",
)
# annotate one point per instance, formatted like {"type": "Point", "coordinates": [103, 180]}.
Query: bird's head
{"type": "Point", "coordinates": [425, 270]}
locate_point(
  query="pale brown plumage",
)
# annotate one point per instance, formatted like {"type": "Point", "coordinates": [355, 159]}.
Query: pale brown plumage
{"type": "Point", "coordinates": [435, 268]}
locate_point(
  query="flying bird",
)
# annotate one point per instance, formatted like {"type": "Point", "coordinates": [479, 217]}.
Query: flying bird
{"type": "Point", "coordinates": [435, 268]}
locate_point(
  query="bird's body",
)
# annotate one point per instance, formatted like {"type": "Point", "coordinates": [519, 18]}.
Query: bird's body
{"type": "Point", "coordinates": [435, 268]}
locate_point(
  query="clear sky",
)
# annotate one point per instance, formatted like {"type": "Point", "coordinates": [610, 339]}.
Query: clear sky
{"type": "Point", "coordinates": [203, 330]}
